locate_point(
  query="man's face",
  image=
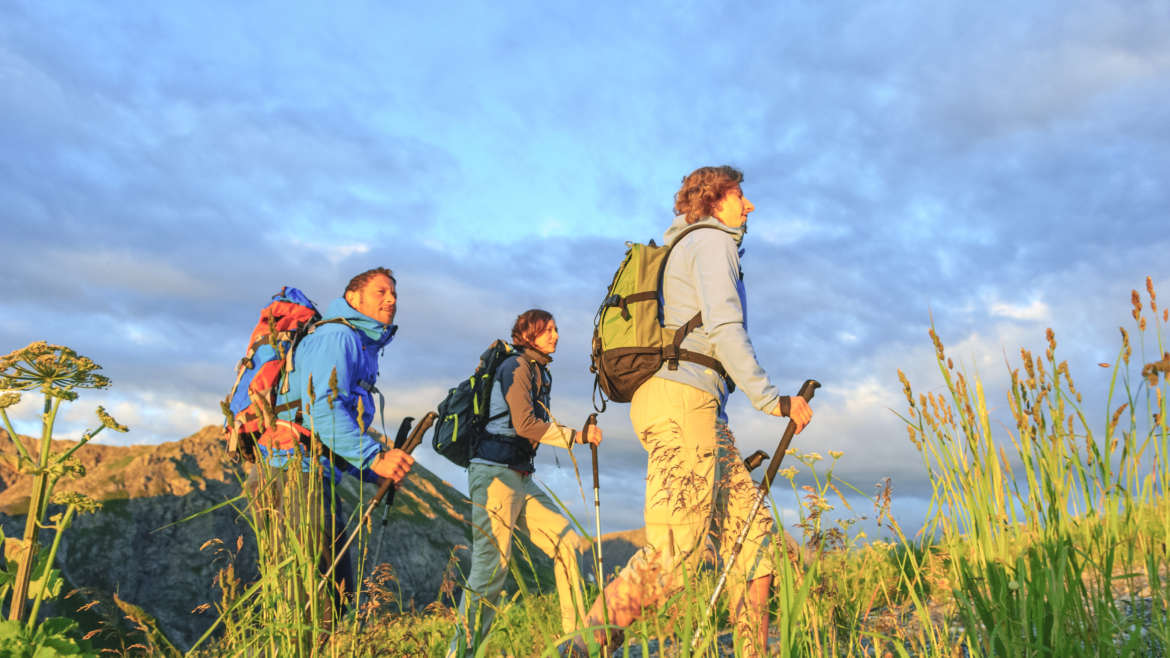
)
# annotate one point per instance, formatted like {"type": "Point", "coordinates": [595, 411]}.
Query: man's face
{"type": "Point", "coordinates": [377, 299]}
{"type": "Point", "coordinates": [546, 341]}
{"type": "Point", "coordinates": [733, 209]}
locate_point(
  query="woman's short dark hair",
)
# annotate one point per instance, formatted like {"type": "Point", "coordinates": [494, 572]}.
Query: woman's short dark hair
{"type": "Point", "coordinates": [529, 325]}
{"type": "Point", "coordinates": [703, 189]}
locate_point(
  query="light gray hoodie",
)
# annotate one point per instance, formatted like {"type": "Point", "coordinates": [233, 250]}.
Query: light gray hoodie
{"type": "Point", "coordinates": [702, 274]}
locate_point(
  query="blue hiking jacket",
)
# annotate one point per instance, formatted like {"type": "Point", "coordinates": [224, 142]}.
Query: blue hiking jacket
{"type": "Point", "coordinates": [355, 356]}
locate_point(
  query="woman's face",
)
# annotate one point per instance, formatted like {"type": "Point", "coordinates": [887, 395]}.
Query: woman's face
{"type": "Point", "coordinates": [546, 341]}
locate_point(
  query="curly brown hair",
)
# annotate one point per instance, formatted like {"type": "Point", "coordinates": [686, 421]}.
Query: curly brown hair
{"type": "Point", "coordinates": [356, 283]}
{"type": "Point", "coordinates": [703, 189]}
{"type": "Point", "coordinates": [529, 325]}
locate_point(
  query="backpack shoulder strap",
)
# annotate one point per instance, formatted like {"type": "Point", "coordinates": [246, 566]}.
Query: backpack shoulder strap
{"type": "Point", "coordinates": [688, 230]}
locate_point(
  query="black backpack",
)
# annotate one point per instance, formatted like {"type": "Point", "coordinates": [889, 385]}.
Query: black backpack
{"type": "Point", "coordinates": [463, 414]}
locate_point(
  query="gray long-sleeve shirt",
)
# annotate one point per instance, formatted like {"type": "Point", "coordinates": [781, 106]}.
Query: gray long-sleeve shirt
{"type": "Point", "coordinates": [703, 275]}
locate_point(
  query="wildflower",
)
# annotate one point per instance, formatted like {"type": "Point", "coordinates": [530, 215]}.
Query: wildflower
{"type": "Point", "coordinates": [812, 458]}
{"type": "Point", "coordinates": [109, 422]}
{"type": "Point", "coordinates": [835, 454]}
{"type": "Point", "coordinates": [9, 399]}
{"type": "Point", "coordinates": [54, 369]}
{"type": "Point", "coordinates": [788, 472]}
{"type": "Point", "coordinates": [82, 502]}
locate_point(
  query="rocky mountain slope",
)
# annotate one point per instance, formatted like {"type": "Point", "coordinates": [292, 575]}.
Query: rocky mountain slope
{"type": "Point", "coordinates": [145, 543]}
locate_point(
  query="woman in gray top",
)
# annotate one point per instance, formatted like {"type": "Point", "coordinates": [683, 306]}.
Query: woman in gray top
{"type": "Point", "coordinates": [504, 497]}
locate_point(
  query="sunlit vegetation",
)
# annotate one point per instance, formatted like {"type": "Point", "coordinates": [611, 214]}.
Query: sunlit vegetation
{"type": "Point", "coordinates": [1046, 535]}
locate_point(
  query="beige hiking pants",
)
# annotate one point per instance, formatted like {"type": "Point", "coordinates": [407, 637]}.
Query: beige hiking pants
{"type": "Point", "coordinates": [690, 467]}
{"type": "Point", "coordinates": [503, 501]}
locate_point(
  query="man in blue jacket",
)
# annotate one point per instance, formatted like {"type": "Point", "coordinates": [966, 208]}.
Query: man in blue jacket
{"type": "Point", "coordinates": [330, 394]}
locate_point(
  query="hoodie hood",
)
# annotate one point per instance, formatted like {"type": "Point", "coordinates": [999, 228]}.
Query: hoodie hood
{"type": "Point", "coordinates": [680, 224]}
{"type": "Point", "coordinates": [375, 333]}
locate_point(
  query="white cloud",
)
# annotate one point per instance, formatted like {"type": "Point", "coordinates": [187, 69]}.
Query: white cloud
{"type": "Point", "coordinates": [333, 253]}
{"type": "Point", "coordinates": [1035, 311]}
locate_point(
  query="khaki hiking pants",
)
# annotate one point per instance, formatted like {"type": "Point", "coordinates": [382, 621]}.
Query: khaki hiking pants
{"type": "Point", "coordinates": [692, 467]}
{"type": "Point", "coordinates": [503, 501]}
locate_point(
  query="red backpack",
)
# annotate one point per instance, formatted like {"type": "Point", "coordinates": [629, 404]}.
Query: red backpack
{"type": "Point", "coordinates": [250, 408]}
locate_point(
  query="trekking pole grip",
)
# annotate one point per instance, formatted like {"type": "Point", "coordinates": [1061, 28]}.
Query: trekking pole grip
{"type": "Point", "coordinates": [591, 422]}
{"type": "Point", "coordinates": [408, 445]}
{"type": "Point", "coordinates": [806, 391]}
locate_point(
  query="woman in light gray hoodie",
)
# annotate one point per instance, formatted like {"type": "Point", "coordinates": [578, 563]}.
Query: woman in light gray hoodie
{"type": "Point", "coordinates": [674, 414]}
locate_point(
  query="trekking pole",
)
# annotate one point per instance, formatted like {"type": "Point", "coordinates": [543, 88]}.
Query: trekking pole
{"type": "Point", "coordinates": [806, 391]}
{"type": "Point", "coordinates": [592, 422]}
{"type": "Point", "coordinates": [387, 487]}
{"type": "Point", "coordinates": [399, 441]}
{"type": "Point", "coordinates": [598, 573]}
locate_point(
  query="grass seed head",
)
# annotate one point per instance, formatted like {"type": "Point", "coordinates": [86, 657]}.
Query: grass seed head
{"type": "Point", "coordinates": [906, 387]}
{"type": "Point", "coordinates": [334, 393]}
{"type": "Point", "coordinates": [938, 345]}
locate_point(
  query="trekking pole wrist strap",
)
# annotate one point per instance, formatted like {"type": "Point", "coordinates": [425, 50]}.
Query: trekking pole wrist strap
{"type": "Point", "coordinates": [785, 405]}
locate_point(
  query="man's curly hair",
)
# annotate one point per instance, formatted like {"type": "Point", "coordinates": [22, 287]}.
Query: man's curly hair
{"type": "Point", "coordinates": [703, 189]}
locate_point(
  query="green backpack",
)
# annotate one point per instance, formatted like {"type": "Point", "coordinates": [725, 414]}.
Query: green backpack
{"type": "Point", "coordinates": [630, 343]}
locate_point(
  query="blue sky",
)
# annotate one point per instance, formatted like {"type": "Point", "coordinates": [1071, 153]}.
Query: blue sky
{"type": "Point", "coordinates": [999, 168]}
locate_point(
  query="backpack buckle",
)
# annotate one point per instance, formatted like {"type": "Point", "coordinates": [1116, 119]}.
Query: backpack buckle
{"type": "Point", "coordinates": [670, 355]}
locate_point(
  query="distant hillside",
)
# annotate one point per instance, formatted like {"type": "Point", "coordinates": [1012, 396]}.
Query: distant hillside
{"type": "Point", "coordinates": [136, 547]}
